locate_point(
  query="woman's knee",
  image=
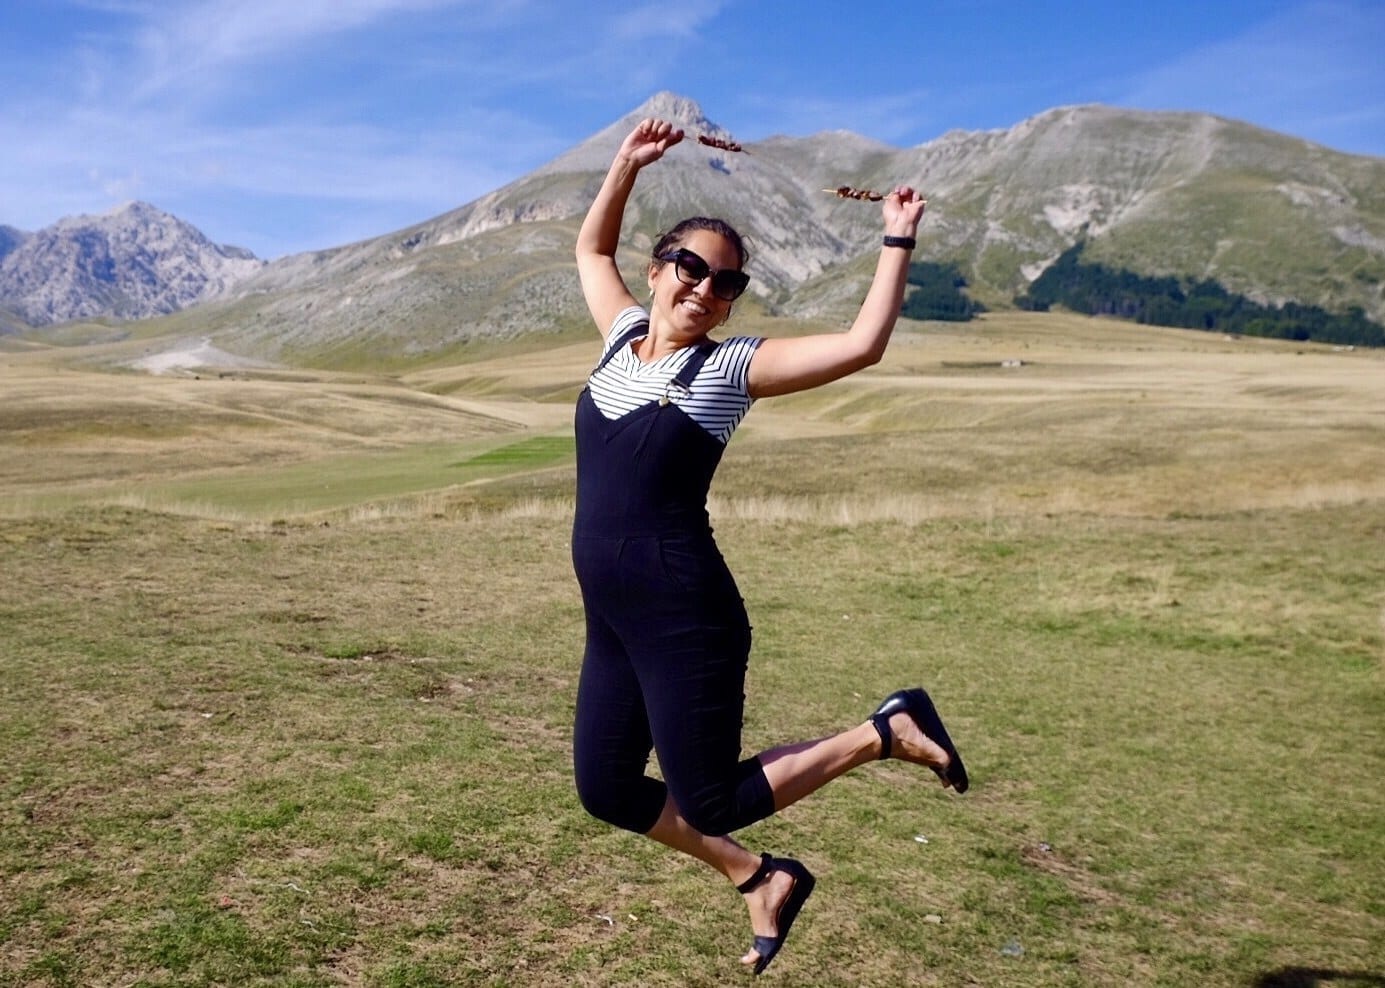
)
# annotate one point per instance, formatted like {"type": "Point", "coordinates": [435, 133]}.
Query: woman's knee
{"type": "Point", "coordinates": [714, 815]}
{"type": "Point", "coordinates": [713, 823]}
{"type": "Point", "coordinates": [633, 805]}
{"type": "Point", "coordinates": [728, 803]}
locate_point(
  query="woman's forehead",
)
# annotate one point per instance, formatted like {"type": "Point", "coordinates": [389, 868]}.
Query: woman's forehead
{"type": "Point", "coordinates": [713, 248]}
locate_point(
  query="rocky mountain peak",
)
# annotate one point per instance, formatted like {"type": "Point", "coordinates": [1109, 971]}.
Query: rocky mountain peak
{"type": "Point", "coordinates": [594, 154]}
{"type": "Point", "coordinates": [132, 262]}
{"type": "Point", "coordinates": [680, 110]}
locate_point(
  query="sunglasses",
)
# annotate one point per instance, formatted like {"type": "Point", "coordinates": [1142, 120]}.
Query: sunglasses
{"type": "Point", "coordinates": [727, 284]}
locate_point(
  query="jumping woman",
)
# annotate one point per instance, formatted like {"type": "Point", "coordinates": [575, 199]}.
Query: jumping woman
{"type": "Point", "coordinates": [668, 639]}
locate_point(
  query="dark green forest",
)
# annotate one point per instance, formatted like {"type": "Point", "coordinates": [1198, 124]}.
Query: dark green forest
{"type": "Point", "coordinates": [1166, 301]}
{"type": "Point", "coordinates": [937, 293]}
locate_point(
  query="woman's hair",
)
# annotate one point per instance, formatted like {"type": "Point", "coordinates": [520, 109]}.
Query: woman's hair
{"type": "Point", "coordinates": [675, 237]}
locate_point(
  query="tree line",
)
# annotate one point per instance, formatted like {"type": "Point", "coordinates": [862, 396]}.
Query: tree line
{"type": "Point", "coordinates": [1095, 289]}
{"type": "Point", "coordinates": [937, 293]}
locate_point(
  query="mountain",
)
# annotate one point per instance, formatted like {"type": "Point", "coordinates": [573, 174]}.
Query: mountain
{"type": "Point", "coordinates": [1187, 194]}
{"type": "Point", "coordinates": [1164, 193]}
{"type": "Point", "coordinates": [131, 263]}
{"type": "Point", "coordinates": [10, 238]}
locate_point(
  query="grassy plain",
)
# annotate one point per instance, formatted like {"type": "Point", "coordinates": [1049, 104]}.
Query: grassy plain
{"type": "Point", "coordinates": [290, 660]}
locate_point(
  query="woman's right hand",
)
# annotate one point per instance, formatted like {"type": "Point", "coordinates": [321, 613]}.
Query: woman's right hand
{"type": "Point", "coordinates": [649, 140]}
{"type": "Point", "coordinates": [602, 286]}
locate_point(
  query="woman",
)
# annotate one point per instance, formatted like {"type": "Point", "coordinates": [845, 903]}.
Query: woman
{"type": "Point", "coordinates": [667, 635]}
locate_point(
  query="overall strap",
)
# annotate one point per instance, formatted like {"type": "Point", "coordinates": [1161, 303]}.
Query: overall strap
{"type": "Point", "coordinates": [634, 332]}
{"type": "Point", "coordinates": [682, 382]}
{"type": "Point", "coordinates": [689, 372]}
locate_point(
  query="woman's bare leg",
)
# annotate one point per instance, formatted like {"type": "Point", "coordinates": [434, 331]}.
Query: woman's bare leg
{"type": "Point", "coordinates": [794, 771]}
{"type": "Point", "coordinates": [798, 770]}
{"type": "Point", "coordinates": [733, 861]}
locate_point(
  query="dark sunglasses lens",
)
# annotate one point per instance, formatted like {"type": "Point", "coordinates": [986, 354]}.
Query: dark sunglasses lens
{"type": "Point", "coordinates": [728, 285]}
{"type": "Point", "coordinates": [691, 268]}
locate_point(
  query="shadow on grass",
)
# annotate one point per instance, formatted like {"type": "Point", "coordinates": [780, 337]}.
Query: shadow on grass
{"type": "Point", "coordinates": [1312, 977]}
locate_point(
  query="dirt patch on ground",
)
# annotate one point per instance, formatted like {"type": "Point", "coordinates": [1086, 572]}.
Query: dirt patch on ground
{"type": "Point", "coordinates": [192, 355]}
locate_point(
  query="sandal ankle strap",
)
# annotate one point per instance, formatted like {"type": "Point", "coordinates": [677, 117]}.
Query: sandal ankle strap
{"type": "Point", "coordinates": [881, 723]}
{"type": "Point", "coordinates": [761, 873]}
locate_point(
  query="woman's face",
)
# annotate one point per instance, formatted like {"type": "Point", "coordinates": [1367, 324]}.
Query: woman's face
{"type": "Point", "coordinates": [693, 310]}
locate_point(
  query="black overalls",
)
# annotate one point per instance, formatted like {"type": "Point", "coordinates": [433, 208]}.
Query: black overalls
{"type": "Point", "coordinates": [668, 639]}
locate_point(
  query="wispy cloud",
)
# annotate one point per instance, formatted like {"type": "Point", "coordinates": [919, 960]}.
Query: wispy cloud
{"type": "Point", "coordinates": [661, 22]}
{"type": "Point", "coordinates": [153, 112]}
{"type": "Point", "coordinates": [1314, 69]}
{"type": "Point", "coordinates": [285, 125]}
{"type": "Point", "coordinates": [182, 51]}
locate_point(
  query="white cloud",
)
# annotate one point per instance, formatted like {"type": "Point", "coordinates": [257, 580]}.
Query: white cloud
{"type": "Point", "coordinates": [661, 21]}
{"type": "Point", "coordinates": [295, 120]}
{"type": "Point", "coordinates": [191, 47]}
{"type": "Point", "coordinates": [1313, 70]}
{"type": "Point", "coordinates": [160, 111]}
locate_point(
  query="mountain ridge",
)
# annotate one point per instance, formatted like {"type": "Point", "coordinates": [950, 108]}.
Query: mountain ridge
{"type": "Point", "coordinates": [1163, 193]}
{"type": "Point", "coordinates": [132, 262]}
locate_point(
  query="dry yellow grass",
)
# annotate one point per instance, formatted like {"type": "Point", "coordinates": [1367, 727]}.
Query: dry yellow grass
{"type": "Point", "coordinates": [1016, 414]}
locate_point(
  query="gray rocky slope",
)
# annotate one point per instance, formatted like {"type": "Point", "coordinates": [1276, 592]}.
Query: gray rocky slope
{"type": "Point", "coordinates": [133, 262]}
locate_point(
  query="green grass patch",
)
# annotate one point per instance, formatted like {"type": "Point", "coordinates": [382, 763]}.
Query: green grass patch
{"type": "Point", "coordinates": [1174, 778]}
{"type": "Point", "coordinates": [536, 451]}
{"type": "Point", "coordinates": [343, 482]}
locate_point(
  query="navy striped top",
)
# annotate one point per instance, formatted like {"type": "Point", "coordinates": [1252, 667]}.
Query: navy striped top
{"type": "Point", "coordinates": [720, 392]}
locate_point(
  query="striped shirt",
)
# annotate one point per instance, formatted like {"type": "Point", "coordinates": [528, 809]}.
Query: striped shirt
{"type": "Point", "coordinates": [720, 391]}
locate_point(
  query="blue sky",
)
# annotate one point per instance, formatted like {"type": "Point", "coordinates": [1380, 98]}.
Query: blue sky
{"type": "Point", "coordinates": [290, 125]}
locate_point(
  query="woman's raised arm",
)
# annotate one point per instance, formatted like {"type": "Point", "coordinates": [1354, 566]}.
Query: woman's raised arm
{"type": "Point", "coordinates": [782, 366]}
{"type": "Point", "coordinates": [602, 285]}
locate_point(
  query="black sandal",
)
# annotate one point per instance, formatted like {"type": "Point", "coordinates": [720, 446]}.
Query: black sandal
{"type": "Point", "coordinates": [803, 882]}
{"type": "Point", "coordinates": [917, 704]}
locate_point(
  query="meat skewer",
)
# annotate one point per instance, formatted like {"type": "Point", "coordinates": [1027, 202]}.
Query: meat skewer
{"type": "Point", "coordinates": [717, 142]}
{"type": "Point", "coordinates": [847, 192]}
{"type": "Point", "coordinates": [865, 195]}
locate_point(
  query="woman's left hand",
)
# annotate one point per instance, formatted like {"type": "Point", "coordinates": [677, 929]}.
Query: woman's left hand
{"type": "Point", "coordinates": [903, 208]}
